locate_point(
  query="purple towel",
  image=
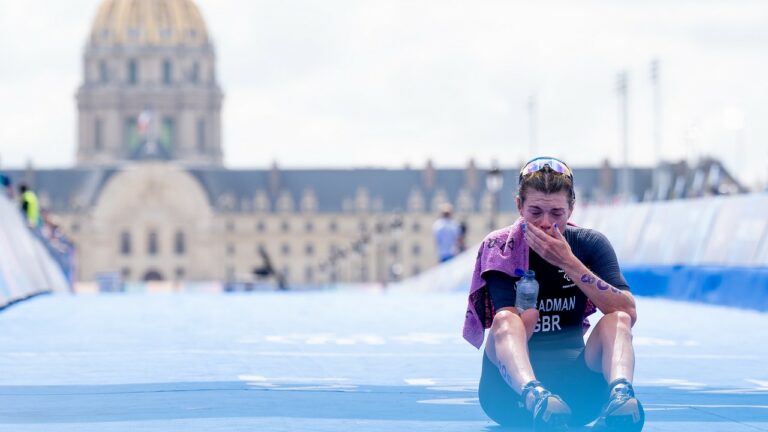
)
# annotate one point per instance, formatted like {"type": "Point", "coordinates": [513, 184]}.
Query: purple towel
{"type": "Point", "coordinates": [504, 250]}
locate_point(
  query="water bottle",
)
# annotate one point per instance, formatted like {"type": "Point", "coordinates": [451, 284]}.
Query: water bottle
{"type": "Point", "coordinates": [527, 291]}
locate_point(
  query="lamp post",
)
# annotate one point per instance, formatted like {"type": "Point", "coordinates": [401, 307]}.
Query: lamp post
{"type": "Point", "coordinates": [494, 181]}
{"type": "Point", "coordinates": [625, 187]}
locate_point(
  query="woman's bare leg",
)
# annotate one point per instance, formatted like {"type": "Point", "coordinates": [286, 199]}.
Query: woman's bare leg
{"type": "Point", "coordinates": [609, 348]}
{"type": "Point", "coordinates": [507, 345]}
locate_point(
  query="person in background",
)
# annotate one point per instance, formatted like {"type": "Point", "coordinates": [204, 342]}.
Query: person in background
{"type": "Point", "coordinates": [30, 206]}
{"type": "Point", "coordinates": [462, 242]}
{"type": "Point", "coordinates": [7, 185]}
{"type": "Point", "coordinates": [447, 233]}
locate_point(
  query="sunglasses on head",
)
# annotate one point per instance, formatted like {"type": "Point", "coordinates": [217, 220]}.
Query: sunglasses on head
{"type": "Point", "coordinates": [539, 163]}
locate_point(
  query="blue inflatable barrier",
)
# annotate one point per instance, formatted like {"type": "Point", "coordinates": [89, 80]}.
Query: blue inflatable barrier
{"type": "Point", "coordinates": [742, 287]}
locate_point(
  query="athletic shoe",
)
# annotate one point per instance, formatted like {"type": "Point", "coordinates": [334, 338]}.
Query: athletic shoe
{"type": "Point", "coordinates": [550, 412]}
{"type": "Point", "coordinates": [623, 412]}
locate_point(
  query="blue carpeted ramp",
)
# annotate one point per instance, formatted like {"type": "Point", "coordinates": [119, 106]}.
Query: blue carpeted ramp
{"type": "Point", "coordinates": [332, 361]}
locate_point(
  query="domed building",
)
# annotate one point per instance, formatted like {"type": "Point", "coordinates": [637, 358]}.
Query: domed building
{"type": "Point", "coordinates": [149, 86]}
{"type": "Point", "coordinates": [150, 199]}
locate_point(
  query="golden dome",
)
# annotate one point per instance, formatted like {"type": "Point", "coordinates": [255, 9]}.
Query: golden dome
{"type": "Point", "coordinates": [148, 23]}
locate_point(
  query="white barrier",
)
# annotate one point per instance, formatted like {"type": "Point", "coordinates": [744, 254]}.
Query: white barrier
{"type": "Point", "coordinates": [26, 267]}
{"type": "Point", "coordinates": [452, 275]}
{"type": "Point", "coordinates": [726, 231]}
{"type": "Point", "coordinates": [721, 231]}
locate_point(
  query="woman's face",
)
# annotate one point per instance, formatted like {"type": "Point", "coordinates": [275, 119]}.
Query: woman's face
{"type": "Point", "coordinates": [545, 210]}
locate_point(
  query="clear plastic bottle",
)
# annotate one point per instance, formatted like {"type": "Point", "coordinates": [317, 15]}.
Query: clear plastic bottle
{"type": "Point", "coordinates": [527, 291]}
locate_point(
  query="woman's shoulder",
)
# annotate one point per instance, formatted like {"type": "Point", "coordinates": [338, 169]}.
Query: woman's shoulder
{"type": "Point", "coordinates": [586, 238]}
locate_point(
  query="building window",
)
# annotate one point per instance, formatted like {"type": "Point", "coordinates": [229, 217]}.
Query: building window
{"type": "Point", "coordinates": [362, 226]}
{"type": "Point", "coordinates": [152, 247]}
{"type": "Point", "coordinates": [309, 274]}
{"type": "Point", "coordinates": [333, 226]}
{"type": "Point", "coordinates": [195, 75]}
{"type": "Point", "coordinates": [167, 133]}
{"type": "Point", "coordinates": [416, 270]}
{"type": "Point", "coordinates": [261, 226]}
{"type": "Point", "coordinates": [103, 72]}
{"type": "Point", "coordinates": [180, 244]}
{"type": "Point", "coordinates": [98, 139]}
{"type": "Point", "coordinates": [416, 227]}
{"type": "Point", "coordinates": [180, 273]}
{"type": "Point", "coordinates": [285, 226]}
{"type": "Point", "coordinates": [230, 249]}
{"type": "Point", "coordinates": [75, 227]}
{"type": "Point", "coordinates": [309, 226]}
{"type": "Point", "coordinates": [134, 33]}
{"type": "Point", "coordinates": [125, 243]}
{"type": "Point", "coordinates": [416, 249]}
{"type": "Point", "coordinates": [309, 249]}
{"type": "Point", "coordinates": [125, 272]}
{"type": "Point", "coordinates": [394, 249]}
{"type": "Point", "coordinates": [133, 72]}
{"type": "Point", "coordinates": [167, 72]}
{"type": "Point", "coordinates": [201, 134]}
{"type": "Point", "coordinates": [230, 226]}
{"type": "Point", "coordinates": [286, 249]}
{"type": "Point", "coordinates": [131, 136]}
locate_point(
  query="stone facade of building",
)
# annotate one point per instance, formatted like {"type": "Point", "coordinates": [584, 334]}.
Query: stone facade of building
{"type": "Point", "coordinates": [160, 220]}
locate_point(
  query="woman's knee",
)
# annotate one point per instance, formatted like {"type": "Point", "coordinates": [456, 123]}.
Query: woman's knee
{"type": "Point", "coordinates": [620, 320]}
{"type": "Point", "coordinates": [504, 322]}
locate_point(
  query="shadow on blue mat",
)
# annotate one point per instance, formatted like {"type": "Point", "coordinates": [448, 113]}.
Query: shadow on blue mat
{"type": "Point", "coordinates": [191, 400]}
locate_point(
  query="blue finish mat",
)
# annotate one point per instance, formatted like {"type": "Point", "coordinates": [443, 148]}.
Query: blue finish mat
{"type": "Point", "coordinates": [332, 361]}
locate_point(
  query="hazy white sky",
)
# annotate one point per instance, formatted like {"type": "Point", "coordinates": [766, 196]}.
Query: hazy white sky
{"type": "Point", "coordinates": [337, 83]}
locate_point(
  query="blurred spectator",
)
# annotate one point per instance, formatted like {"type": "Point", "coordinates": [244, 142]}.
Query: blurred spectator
{"type": "Point", "coordinates": [61, 248]}
{"type": "Point", "coordinates": [447, 234]}
{"type": "Point", "coordinates": [462, 242]}
{"type": "Point", "coordinates": [7, 185]}
{"type": "Point", "coordinates": [30, 206]}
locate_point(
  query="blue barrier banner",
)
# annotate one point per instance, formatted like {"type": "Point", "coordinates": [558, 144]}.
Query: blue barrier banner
{"type": "Point", "coordinates": [743, 287]}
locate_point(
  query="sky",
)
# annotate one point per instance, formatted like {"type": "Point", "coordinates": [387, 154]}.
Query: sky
{"type": "Point", "coordinates": [370, 83]}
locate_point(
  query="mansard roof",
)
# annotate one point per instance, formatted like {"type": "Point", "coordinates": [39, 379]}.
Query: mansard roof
{"type": "Point", "coordinates": [335, 190]}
